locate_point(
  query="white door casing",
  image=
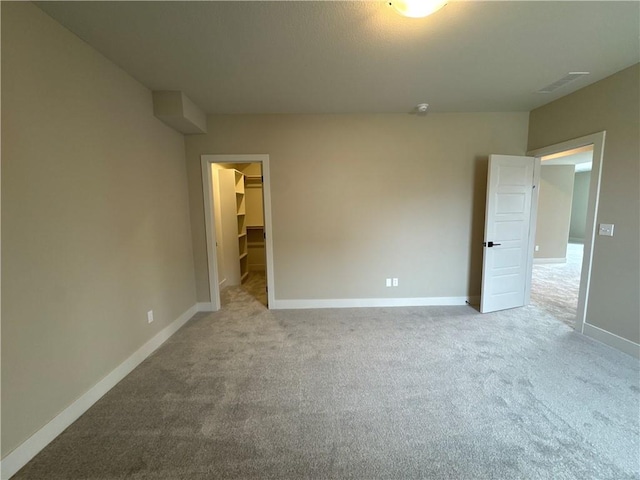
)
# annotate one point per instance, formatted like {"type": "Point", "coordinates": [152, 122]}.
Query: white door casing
{"type": "Point", "coordinates": [210, 227]}
{"type": "Point", "coordinates": [509, 232]}
{"type": "Point", "coordinates": [597, 140]}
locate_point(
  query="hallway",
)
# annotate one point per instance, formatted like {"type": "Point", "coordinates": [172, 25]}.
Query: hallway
{"type": "Point", "coordinates": [555, 286]}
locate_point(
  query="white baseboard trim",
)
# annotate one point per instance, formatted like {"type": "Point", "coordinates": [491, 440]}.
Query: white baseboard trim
{"type": "Point", "coordinates": [204, 307]}
{"type": "Point", "coordinates": [18, 458]}
{"type": "Point", "coordinates": [540, 261]}
{"type": "Point", "coordinates": [612, 340]}
{"type": "Point", "coordinates": [370, 302]}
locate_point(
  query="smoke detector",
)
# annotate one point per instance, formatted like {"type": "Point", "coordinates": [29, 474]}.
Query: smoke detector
{"type": "Point", "coordinates": [421, 108]}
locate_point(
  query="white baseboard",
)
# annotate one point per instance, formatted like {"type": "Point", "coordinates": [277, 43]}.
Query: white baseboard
{"type": "Point", "coordinates": [540, 261]}
{"type": "Point", "coordinates": [612, 340]}
{"type": "Point", "coordinates": [18, 458]}
{"type": "Point", "coordinates": [370, 302]}
{"type": "Point", "coordinates": [204, 307]}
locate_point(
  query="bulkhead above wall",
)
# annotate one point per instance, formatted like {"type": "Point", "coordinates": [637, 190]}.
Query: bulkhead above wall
{"type": "Point", "coordinates": [175, 109]}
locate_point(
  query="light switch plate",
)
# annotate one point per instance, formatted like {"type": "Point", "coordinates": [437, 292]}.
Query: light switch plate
{"type": "Point", "coordinates": [606, 229]}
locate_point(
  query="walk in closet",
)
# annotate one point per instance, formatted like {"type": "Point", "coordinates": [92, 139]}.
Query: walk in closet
{"type": "Point", "coordinates": [239, 222]}
{"type": "Point", "coordinates": [255, 220]}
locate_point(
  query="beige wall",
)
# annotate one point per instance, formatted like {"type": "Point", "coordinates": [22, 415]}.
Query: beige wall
{"type": "Point", "coordinates": [358, 198]}
{"type": "Point", "coordinates": [613, 105]}
{"type": "Point", "coordinates": [554, 210]}
{"type": "Point", "coordinates": [253, 196]}
{"type": "Point", "coordinates": [95, 221]}
{"type": "Point", "coordinates": [579, 206]}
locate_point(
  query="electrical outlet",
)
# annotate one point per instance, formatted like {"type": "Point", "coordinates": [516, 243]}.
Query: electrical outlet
{"type": "Point", "coordinates": [606, 229]}
{"type": "Point", "coordinates": [150, 316]}
{"type": "Point", "coordinates": [537, 248]}
{"type": "Point", "coordinates": [388, 282]}
{"type": "Point", "coordinates": [395, 282]}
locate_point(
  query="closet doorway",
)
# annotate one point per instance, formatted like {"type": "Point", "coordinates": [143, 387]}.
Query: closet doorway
{"type": "Point", "coordinates": [238, 228]}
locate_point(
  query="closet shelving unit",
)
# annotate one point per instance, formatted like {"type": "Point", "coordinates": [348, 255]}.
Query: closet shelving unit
{"type": "Point", "coordinates": [255, 222]}
{"type": "Point", "coordinates": [241, 214]}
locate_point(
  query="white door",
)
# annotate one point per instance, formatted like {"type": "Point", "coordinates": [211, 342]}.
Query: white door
{"type": "Point", "coordinates": [508, 232]}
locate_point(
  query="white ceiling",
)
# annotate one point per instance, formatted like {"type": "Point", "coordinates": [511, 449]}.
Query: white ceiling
{"type": "Point", "coordinates": [359, 56]}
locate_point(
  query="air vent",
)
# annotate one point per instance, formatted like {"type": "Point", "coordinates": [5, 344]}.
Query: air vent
{"type": "Point", "coordinates": [562, 82]}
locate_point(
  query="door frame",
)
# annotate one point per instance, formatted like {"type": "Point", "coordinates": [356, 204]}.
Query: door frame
{"type": "Point", "coordinates": [533, 224]}
{"type": "Point", "coordinates": [597, 140]}
{"type": "Point", "coordinates": [210, 227]}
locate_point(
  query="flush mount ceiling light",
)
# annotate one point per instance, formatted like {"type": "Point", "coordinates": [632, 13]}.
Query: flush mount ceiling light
{"type": "Point", "coordinates": [417, 8]}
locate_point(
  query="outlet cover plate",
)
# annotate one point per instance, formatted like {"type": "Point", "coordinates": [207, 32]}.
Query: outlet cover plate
{"type": "Point", "coordinates": [606, 229]}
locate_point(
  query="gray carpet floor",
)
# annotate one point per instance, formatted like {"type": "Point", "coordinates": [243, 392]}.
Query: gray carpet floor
{"type": "Point", "coordinates": [385, 393]}
{"type": "Point", "coordinates": [555, 286]}
{"type": "Point", "coordinates": [255, 285]}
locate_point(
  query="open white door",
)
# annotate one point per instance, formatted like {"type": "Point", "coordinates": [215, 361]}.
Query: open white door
{"type": "Point", "coordinates": [509, 232]}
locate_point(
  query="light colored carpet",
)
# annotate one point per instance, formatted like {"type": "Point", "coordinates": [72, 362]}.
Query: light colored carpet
{"type": "Point", "coordinates": [387, 393]}
{"type": "Point", "coordinates": [255, 285]}
{"type": "Point", "coordinates": [555, 286]}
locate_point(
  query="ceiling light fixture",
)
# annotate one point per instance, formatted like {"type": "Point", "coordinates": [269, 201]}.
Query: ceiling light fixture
{"type": "Point", "coordinates": [417, 8]}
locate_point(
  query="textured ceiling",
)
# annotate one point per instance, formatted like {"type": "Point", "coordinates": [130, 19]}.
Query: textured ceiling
{"type": "Point", "coordinates": [353, 57]}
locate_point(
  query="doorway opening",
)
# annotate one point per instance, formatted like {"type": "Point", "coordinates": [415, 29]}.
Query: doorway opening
{"type": "Point", "coordinates": [238, 224]}
{"type": "Point", "coordinates": [566, 226]}
{"type": "Point", "coordinates": [560, 231]}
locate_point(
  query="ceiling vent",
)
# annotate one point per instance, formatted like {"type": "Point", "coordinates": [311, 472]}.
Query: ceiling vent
{"type": "Point", "coordinates": [572, 76]}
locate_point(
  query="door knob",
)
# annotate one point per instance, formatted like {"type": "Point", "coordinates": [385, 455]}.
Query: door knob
{"type": "Point", "coordinates": [490, 244]}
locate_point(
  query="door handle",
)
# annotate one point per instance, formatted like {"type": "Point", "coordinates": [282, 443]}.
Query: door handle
{"type": "Point", "coordinates": [490, 244]}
